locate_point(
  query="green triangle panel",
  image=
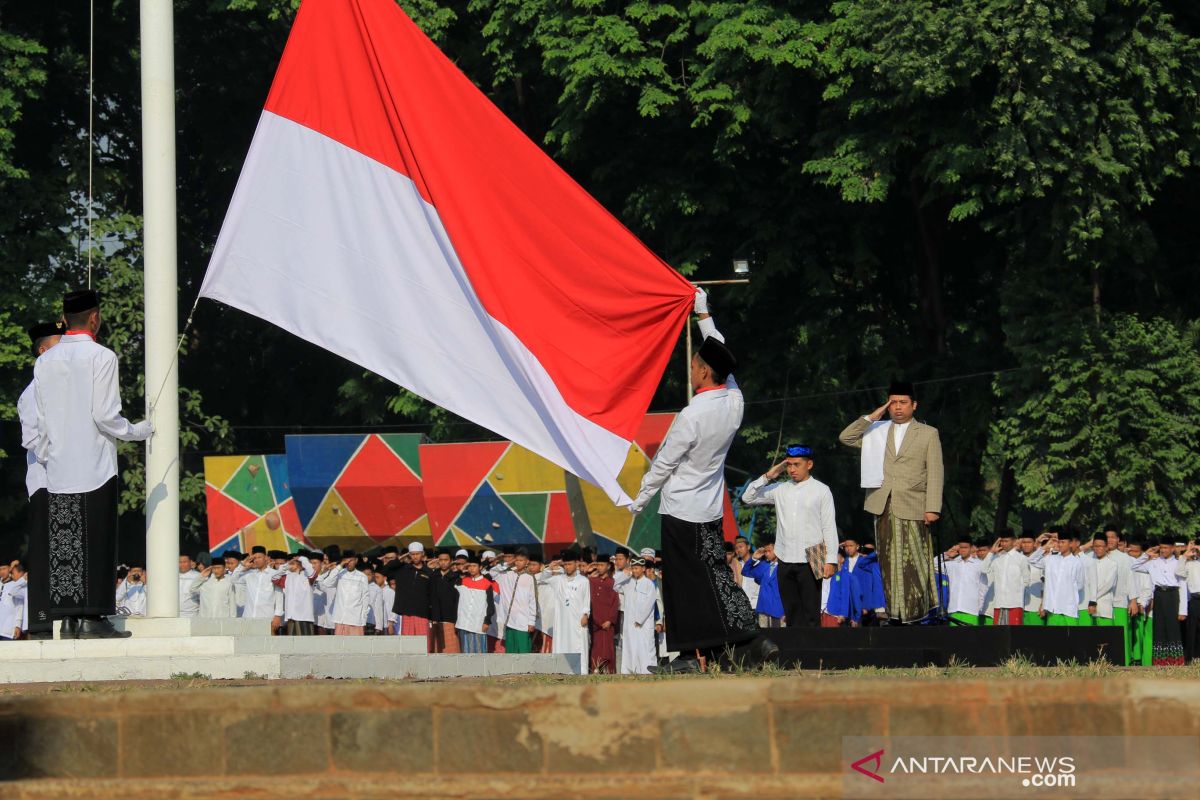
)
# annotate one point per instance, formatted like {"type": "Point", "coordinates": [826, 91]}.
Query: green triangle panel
{"type": "Point", "coordinates": [447, 539]}
{"type": "Point", "coordinates": [647, 527]}
{"type": "Point", "coordinates": [251, 486]}
{"type": "Point", "coordinates": [406, 447]}
{"type": "Point", "coordinates": [531, 508]}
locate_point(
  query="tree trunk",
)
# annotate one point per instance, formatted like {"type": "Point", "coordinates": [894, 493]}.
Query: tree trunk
{"type": "Point", "coordinates": [1008, 482]}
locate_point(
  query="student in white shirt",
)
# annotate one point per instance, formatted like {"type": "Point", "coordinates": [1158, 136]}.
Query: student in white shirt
{"type": "Point", "coordinates": [1188, 571]}
{"type": "Point", "coordinates": [216, 590]}
{"type": "Point", "coordinates": [42, 337]}
{"type": "Point", "coordinates": [967, 582]}
{"type": "Point", "coordinates": [707, 612]}
{"type": "Point", "coordinates": [570, 598]}
{"type": "Point", "coordinates": [637, 621]}
{"type": "Point", "coordinates": [258, 578]}
{"type": "Point", "coordinates": [1033, 592]}
{"type": "Point", "coordinates": [476, 607]}
{"type": "Point", "coordinates": [1170, 604]}
{"type": "Point", "coordinates": [1007, 571]}
{"type": "Point", "coordinates": [131, 593]}
{"type": "Point", "coordinates": [350, 613]}
{"type": "Point", "coordinates": [79, 422]}
{"type": "Point", "coordinates": [1063, 580]}
{"type": "Point", "coordinates": [518, 605]}
{"type": "Point", "coordinates": [189, 603]}
{"type": "Point", "coordinates": [804, 521]}
{"type": "Point", "coordinates": [298, 605]}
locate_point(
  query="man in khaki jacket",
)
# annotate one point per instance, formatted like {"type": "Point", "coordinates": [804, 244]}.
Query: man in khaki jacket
{"type": "Point", "coordinates": [902, 474]}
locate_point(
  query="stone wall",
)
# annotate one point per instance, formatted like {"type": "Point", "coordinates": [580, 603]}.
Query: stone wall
{"type": "Point", "coordinates": [654, 738]}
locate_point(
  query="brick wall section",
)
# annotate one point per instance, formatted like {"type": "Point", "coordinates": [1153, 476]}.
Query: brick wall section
{"type": "Point", "coordinates": [678, 733]}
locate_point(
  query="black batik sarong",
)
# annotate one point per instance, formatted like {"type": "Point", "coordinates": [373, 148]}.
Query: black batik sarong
{"type": "Point", "coordinates": [82, 536]}
{"type": "Point", "coordinates": [37, 558]}
{"type": "Point", "coordinates": [702, 606]}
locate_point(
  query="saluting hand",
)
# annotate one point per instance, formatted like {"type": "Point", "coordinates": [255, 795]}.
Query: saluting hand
{"type": "Point", "coordinates": [775, 471]}
{"type": "Point", "coordinates": [879, 413]}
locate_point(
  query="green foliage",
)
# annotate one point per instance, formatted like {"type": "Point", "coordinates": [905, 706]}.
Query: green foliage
{"type": "Point", "coordinates": [21, 76]}
{"type": "Point", "coordinates": [1112, 436]}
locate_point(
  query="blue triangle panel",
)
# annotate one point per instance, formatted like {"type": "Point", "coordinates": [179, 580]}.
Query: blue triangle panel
{"type": "Point", "coordinates": [313, 464]}
{"type": "Point", "coordinates": [229, 544]}
{"type": "Point", "coordinates": [277, 466]}
{"type": "Point", "coordinates": [487, 515]}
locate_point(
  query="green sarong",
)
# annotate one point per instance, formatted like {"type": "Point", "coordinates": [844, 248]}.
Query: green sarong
{"type": "Point", "coordinates": [517, 641]}
{"type": "Point", "coordinates": [1032, 618]}
{"type": "Point", "coordinates": [1061, 621]}
{"type": "Point", "coordinates": [1085, 618]}
{"type": "Point", "coordinates": [989, 619]}
{"type": "Point", "coordinates": [1121, 618]}
{"type": "Point", "coordinates": [965, 618]}
{"type": "Point", "coordinates": [906, 565]}
{"type": "Point", "coordinates": [1143, 640]}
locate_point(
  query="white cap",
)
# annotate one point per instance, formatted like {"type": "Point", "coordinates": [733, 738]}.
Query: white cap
{"type": "Point", "coordinates": [461, 552]}
{"type": "Point", "coordinates": [416, 547]}
{"type": "Point", "coordinates": [488, 554]}
{"type": "Point", "coordinates": [647, 552]}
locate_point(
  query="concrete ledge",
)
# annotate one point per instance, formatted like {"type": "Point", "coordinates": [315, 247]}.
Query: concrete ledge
{"type": "Point", "coordinates": [620, 737]}
{"type": "Point", "coordinates": [143, 627]}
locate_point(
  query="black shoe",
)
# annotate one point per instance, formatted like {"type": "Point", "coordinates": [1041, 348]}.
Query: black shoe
{"type": "Point", "coordinates": [679, 666]}
{"type": "Point", "coordinates": [100, 628]}
{"type": "Point", "coordinates": [765, 651]}
{"type": "Point", "coordinates": [69, 628]}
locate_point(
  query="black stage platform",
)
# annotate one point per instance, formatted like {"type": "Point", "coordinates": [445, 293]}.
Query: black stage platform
{"type": "Point", "coordinates": [924, 645]}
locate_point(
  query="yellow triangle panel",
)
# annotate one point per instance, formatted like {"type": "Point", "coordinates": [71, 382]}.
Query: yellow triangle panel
{"type": "Point", "coordinates": [333, 519]}
{"type": "Point", "coordinates": [219, 469]}
{"type": "Point", "coordinates": [520, 470]}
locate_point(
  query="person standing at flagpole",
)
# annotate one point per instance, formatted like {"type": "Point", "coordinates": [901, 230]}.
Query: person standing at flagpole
{"type": "Point", "coordinates": [707, 610]}
{"type": "Point", "coordinates": [901, 469]}
{"type": "Point", "coordinates": [42, 337]}
{"type": "Point", "coordinates": [80, 422]}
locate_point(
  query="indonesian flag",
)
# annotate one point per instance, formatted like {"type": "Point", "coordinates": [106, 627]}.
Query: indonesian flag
{"type": "Point", "coordinates": [388, 212]}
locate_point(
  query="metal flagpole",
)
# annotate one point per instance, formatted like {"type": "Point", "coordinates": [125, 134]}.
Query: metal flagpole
{"type": "Point", "coordinates": [161, 322]}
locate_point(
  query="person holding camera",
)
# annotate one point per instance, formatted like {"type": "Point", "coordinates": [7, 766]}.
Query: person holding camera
{"type": "Point", "coordinates": [131, 592]}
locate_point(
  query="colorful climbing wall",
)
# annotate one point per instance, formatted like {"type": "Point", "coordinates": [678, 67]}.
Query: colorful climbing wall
{"type": "Point", "coordinates": [250, 503]}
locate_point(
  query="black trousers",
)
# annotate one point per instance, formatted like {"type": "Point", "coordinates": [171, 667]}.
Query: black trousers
{"type": "Point", "coordinates": [37, 559]}
{"type": "Point", "coordinates": [1191, 629]}
{"type": "Point", "coordinates": [800, 592]}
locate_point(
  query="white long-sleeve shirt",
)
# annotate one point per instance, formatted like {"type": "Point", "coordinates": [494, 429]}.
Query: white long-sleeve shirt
{"type": "Point", "coordinates": [1008, 574]}
{"type": "Point", "coordinates": [1033, 592]}
{"type": "Point", "coordinates": [377, 608]}
{"type": "Point", "coordinates": [352, 605]}
{"type": "Point", "coordinates": [260, 591]}
{"type": "Point", "coordinates": [1063, 582]}
{"type": "Point", "coordinates": [35, 471]}
{"type": "Point", "coordinates": [967, 585]}
{"type": "Point", "coordinates": [518, 592]}
{"type": "Point", "coordinates": [1188, 570]}
{"type": "Point", "coordinates": [189, 601]}
{"type": "Point", "coordinates": [79, 415]}
{"type": "Point", "coordinates": [1162, 575]}
{"type": "Point", "coordinates": [689, 468]}
{"type": "Point", "coordinates": [12, 607]}
{"type": "Point", "coordinates": [218, 598]}
{"type": "Point", "coordinates": [298, 594]}
{"type": "Point", "coordinates": [804, 516]}
{"type": "Point", "coordinates": [1103, 588]}
{"type": "Point", "coordinates": [132, 597]}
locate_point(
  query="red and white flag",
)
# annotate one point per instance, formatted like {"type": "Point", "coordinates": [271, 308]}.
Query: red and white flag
{"type": "Point", "coordinates": [388, 212]}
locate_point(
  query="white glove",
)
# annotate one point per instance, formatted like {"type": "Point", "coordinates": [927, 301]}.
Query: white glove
{"type": "Point", "coordinates": [637, 505]}
{"type": "Point", "coordinates": [701, 305]}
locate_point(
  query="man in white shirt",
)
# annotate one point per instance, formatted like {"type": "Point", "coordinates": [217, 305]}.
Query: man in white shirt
{"type": "Point", "coordinates": [215, 589]}
{"type": "Point", "coordinates": [298, 606]}
{"type": "Point", "coordinates": [741, 557]}
{"type": "Point", "coordinates": [79, 423]}
{"type": "Point", "coordinates": [1007, 571]}
{"type": "Point", "coordinates": [1188, 571]}
{"type": "Point", "coordinates": [1123, 595]}
{"type": "Point", "coordinates": [12, 602]}
{"type": "Point", "coordinates": [258, 579]}
{"type": "Point", "coordinates": [967, 582]}
{"type": "Point", "coordinates": [805, 533]}
{"type": "Point", "coordinates": [638, 654]}
{"type": "Point", "coordinates": [131, 593]}
{"type": "Point", "coordinates": [519, 604]}
{"type": "Point", "coordinates": [570, 598]}
{"type": "Point", "coordinates": [708, 613]}
{"type": "Point", "coordinates": [1063, 580]}
{"type": "Point", "coordinates": [1101, 587]}
{"type": "Point", "coordinates": [42, 337]}
{"type": "Point", "coordinates": [189, 601]}
{"type": "Point", "coordinates": [1033, 592]}
{"type": "Point", "coordinates": [1170, 604]}
{"type": "Point", "coordinates": [350, 613]}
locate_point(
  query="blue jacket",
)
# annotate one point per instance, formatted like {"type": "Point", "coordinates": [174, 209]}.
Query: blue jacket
{"type": "Point", "coordinates": [852, 592]}
{"type": "Point", "coordinates": [768, 586]}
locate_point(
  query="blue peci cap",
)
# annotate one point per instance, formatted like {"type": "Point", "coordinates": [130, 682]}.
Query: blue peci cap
{"type": "Point", "coordinates": [799, 451]}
